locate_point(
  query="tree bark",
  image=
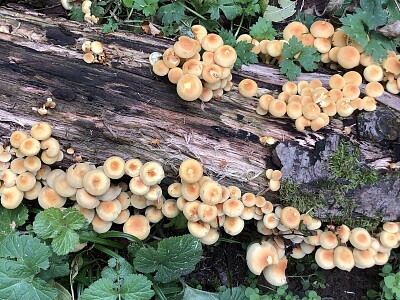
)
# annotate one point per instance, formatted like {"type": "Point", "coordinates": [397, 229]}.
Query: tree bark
{"type": "Point", "coordinates": [120, 108]}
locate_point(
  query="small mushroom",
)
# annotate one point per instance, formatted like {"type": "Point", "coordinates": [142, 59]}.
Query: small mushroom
{"type": "Point", "coordinates": [138, 226]}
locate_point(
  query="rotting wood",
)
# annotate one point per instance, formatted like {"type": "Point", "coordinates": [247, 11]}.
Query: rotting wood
{"type": "Point", "coordinates": [119, 108]}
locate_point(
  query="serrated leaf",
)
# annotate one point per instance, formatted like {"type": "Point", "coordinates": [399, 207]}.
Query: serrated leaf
{"type": "Point", "coordinates": [174, 257]}
{"type": "Point", "coordinates": [121, 269]}
{"type": "Point", "coordinates": [249, 7]}
{"type": "Point", "coordinates": [277, 14]}
{"type": "Point", "coordinates": [102, 289]}
{"type": "Point", "coordinates": [292, 48]}
{"type": "Point", "coordinates": [58, 268]}
{"type": "Point", "coordinates": [230, 9]}
{"type": "Point", "coordinates": [27, 250]}
{"type": "Point", "coordinates": [60, 226]}
{"type": "Point", "coordinates": [170, 13]}
{"type": "Point", "coordinates": [262, 30]}
{"type": "Point", "coordinates": [11, 219]}
{"type": "Point", "coordinates": [378, 46]}
{"type": "Point", "coordinates": [228, 37]}
{"type": "Point", "coordinates": [237, 293]}
{"type": "Point", "coordinates": [195, 294]}
{"type": "Point", "coordinates": [305, 19]}
{"type": "Point", "coordinates": [76, 13]}
{"type": "Point", "coordinates": [96, 9]}
{"type": "Point", "coordinates": [289, 68]}
{"type": "Point", "coordinates": [147, 7]}
{"type": "Point", "coordinates": [353, 26]}
{"type": "Point", "coordinates": [136, 287]}
{"type": "Point", "coordinates": [308, 58]}
{"type": "Point", "coordinates": [244, 54]}
{"type": "Point", "coordinates": [393, 10]}
{"type": "Point", "coordinates": [374, 9]}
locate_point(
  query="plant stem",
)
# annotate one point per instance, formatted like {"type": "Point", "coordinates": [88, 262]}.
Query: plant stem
{"type": "Point", "coordinates": [240, 26]}
{"type": "Point", "coordinates": [192, 11]}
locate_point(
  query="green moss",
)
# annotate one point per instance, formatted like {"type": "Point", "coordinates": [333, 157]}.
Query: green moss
{"type": "Point", "coordinates": [345, 166]}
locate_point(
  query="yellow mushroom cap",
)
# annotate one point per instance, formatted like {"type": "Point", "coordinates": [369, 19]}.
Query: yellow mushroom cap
{"type": "Point", "coordinates": [353, 77]}
{"type": "Point", "coordinates": [211, 237]}
{"type": "Point", "coordinates": [259, 256]}
{"type": "Point", "coordinates": [381, 258]}
{"type": "Point", "coordinates": [48, 197]}
{"type": "Point", "coordinates": [76, 172]}
{"type": "Point", "coordinates": [25, 181]}
{"type": "Point", "coordinates": [96, 182]}
{"type": "Point", "coordinates": [132, 167]}
{"type": "Point", "coordinates": [274, 185]}
{"type": "Point", "coordinates": [373, 73]}
{"type": "Point", "coordinates": [343, 258]}
{"type": "Point", "coordinates": [170, 59]}
{"type": "Point", "coordinates": [328, 240]}
{"type": "Point", "coordinates": [274, 48]}
{"type": "Point", "coordinates": [290, 217]}
{"type": "Point", "coordinates": [192, 66]}
{"type": "Point", "coordinates": [41, 131]}
{"type": "Point", "coordinates": [311, 111]}
{"type": "Point", "coordinates": [343, 107]}
{"type": "Point", "coordinates": [322, 29]}
{"type": "Point", "coordinates": [392, 87]}
{"type": "Point", "coordinates": [189, 87]}
{"type": "Point", "coordinates": [301, 123]}
{"type": "Point", "coordinates": [160, 69]}
{"type": "Point", "coordinates": [85, 200]}
{"type": "Point", "coordinates": [122, 217]}
{"type": "Point", "coordinates": [249, 199]}
{"type": "Point", "coordinates": [52, 147]}
{"type": "Point", "coordinates": [387, 239]}
{"type": "Point", "coordinates": [174, 74]}
{"type": "Point", "coordinates": [348, 57]}
{"type": "Point", "coordinates": [234, 192]}
{"type": "Point", "coordinates": [198, 229]}
{"type": "Point", "coordinates": [369, 103]}
{"type": "Point", "coordinates": [17, 137]}
{"type": "Point", "coordinates": [138, 201]}
{"type": "Point", "coordinates": [152, 173]}
{"type": "Point", "coordinates": [96, 47]}
{"type": "Point", "coordinates": [11, 197]}
{"type": "Point", "coordinates": [108, 210]}
{"type": "Point", "coordinates": [296, 29]}
{"type": "Point", "coordinates": [33, 193]}
{"type": "Point", "coordinates": [233, 225]}
{"type": "Point", "coordinates": [275, 274]}
{"type": "Point", "coordinates": [99, 225]}
{"type": "Point", "coordinates": [62, 187]}
{"type": "Point", "coordinates": [337, 81]}
{"type": "Point", "coordinates": [190, 191]}
{"type": "Point", "coordinates": [271, 220]}
{"type": "Point", "coordinates": [225, 56]}
{"type": "Point", "coordinates": [29, 147]}
{"type": "Point", "coordinates": [199, 32]}
{"type": "Point", "coordinates": [190, 210]}
{"type": "Point", "coordinates": [233, 207]}
{"type": "Point", "coordinates": [265, 100]}
{"type": "Point", "coordinates": [374, 89]}
{"type": "Point", "coordinates": [248, 87]}
{"type": "Point", "coordinates": [190, 170]}
{"type": "Point", "coordinates": [137, 186]}
{"type": "Point", "coordinates": [138, 226]}
{"type": "Point", "coordinates": [351, 91]}
{"type": "Point", "coordinates": [364, 258]}
{"type": "Point", "coordinates": [8, 177]}
{"type": "Point", "coordinates": [277, 108]}
{"type": "Point", "coordinates": [294, 110]}
{"type": "Point", "coordinates": [211, 192]}
{"type": "Point", "coordinates": [185, 47]}
{"type": "Point", "coordinates": [32, 163]}
{"type": "Point", "coordinates": [323, 45]}
{"type": "Point", "coordinates": [170, 209]}
{"type": "Point", "coordinates": [392, 65]}
{"type": "Point", "coordinates": [211, 42]}
{"type": "Point", "coordinates": [114, 167]}
{"type": "Point", "coordinates": [360, 238]}
{"type": "Point", "coordinates": [206, 212]}
{"type": "Point", "coordinates": [175, 190]}
{"type": "Point", "coordinates": [324, 258]}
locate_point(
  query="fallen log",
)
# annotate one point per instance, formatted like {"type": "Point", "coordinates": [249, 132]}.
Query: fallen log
{"type": "Point", "coordinates": [122, 108]}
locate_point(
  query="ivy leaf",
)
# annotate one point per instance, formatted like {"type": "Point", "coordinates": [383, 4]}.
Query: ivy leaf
{"type": "Point", "coordinates": [147, 7]}
{"type": "Point", "coordinates": [237, 293]}
{"type": "Point", "coordinates": [277, 14]}
{"type": "Point", "coordinates": [170, 13]}
{"type": "Point", "coordinates": [227, 7]}
{"type": "Point", "coordinates": [76, 13]}
{"type": "Point", "coordinates": [244, 54]}
{"type": "Point", "coordinates": [11, 219]}
{"type": "Point", "coordinates": [60, 226]}
{"type": "Point", "coordinates": [378, 46]}
{"type": "Point", "coordinates": [228, 37]}
{"type": "Point", "coordinates": [263, 30]}
{"type": "Point", "coordinates": [174, 257]}
{"type": "Point", "coordinates": [289, 68]}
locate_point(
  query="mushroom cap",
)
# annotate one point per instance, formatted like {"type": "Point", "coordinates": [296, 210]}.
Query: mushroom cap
{"type": "Point", "coordinates": [311, 111]}
{"type": "Point", "coordinates": [211, 237]}
{"type": "Point", "coordinates": [170, 58]}
{"type": "Point", "coordinates": [225, 56]}
{"type": "Point", "coordinates": [328, 240]}
{"type": "Point", "coordinates": [348, 57]}
{"type": "Point", "coordinates": [308, 249]}
{"type": "Point", "coordinates": [337, 82]}
{"type": "Point", "coordinates": [137, 186]}
{"type": "Point", "coordinates": [99, 225]}
{"type": "Point", "coordinates": [199, 32]}
{"type": "Point", "coordinates": [343, 258]}
{"type": "Point", "coordinates": [351, 91]}
{"type": "Point", "coordinates": [381, 258]}
{"type": "Point", "coordinates": [132, 167]}
{"type": "Point", "coordinates": [170, 209]}
{"type": "Point", "coordinates": [86, 200]}
{"type": "Point", "coordinates": [364, 258]}
{"type": "Point", "coordinates": [387, 239]}
{"type": "Point", "coordinates": [211, 192]}
{"type": "Point", "coordinates": [275, 274]}
{"type": "Point", "coordinates": [190, 170]}
{"type": "Point", "coordinates": [8, 177]}
{"type": "Point", "coordinates": [324, 258]}
{"type": "Point", "coordinates": [32, 163]}
{"type": "Point", "coordinates": [294, 110]}
{"type": "Point", "coordinates": [374, 89]}
{"type": "Point", "coordinates": [152, 173]}
{"type": "Point", "coordinates": [76, 172]}
{"type": "Point", "coordinates": [233, 207]}
{"type": "Point", "coordinates": [138, 201]}
{"type": "Point", "coordinates": [339, 38]}
{"type": "Point", "coordinates": [25, 181]}
{"type": "Point", "coordinates": [267, 208]}
{"type": "Point", "coordinates": [259, 256]}
{"type": "Point", "coordinates": [138, 226]}
{"type": "Point", "coordinates": [234, 192]}
{"type": "Point", "coordinates": [373, 73]}
{"type": "Point", "coordinates": [159, 68]}
{"type": "Point", "coordinates": [233, 225]}
{"type": "Point", "coordinates": [189, 87]}
{"type": "Point", "coordinates": [271, 220]}
{"type": "Point", "coordinates": [248, 199]}
{"type": "Point", "coordinates": [211, 42]}
{"type": "Point", "coordinates": [175, 189]}
{"type": "Point", "coordinates": [17, 137]}
{"type": "Point", "coordinates": [369, 103]}
{"type": "Point", "coordinates": [274, 185]}
{"type": "Point", "coordinates": [190, 191]}
{"type": "Point", "coordinates": [296, 29]}
{"type": "Point", "coordinates": [297, 252]}
{"type": "Point", "coordinates": [51, 176]}
{"type": "Point", "coordinates": [392, 65]}
{"type": "Point", "coordinates": [11, 197]}
{"type": "Point", "coordinates": [114, 167]}
{"type": "Point", "coordinates": [248, 213]}
{"type": "Point", "coordinates": [343, 232]}
{"type": "Point", "coordinates": [290, 217]}
{"type": "Point", "coordinates": [322, 29]}
{"type": "Point", "coordinates": [301, 123]}
{"type": "Point", "coordinates": [185, 47]}
{"type": "Point", "coordinates": [343, 107]}
{"type": "Point", "coordinates": [307, 39]}
{"type": "Point", "coordinates": [108, 210]}
{"type": "Point", "coordinates": [122, 217]}
{"type": "Point", "coordinates": [29, 147]}
{"type": "Point", "coordinates": [41, 131]}
{"type": "Point", "coordinates": [48, 197]}
{"type": "Point", "coordinates": [206, 212]}
{"type": "Point", "coordinates": [62, 187]}
{"type": "Point", "coordinates": [87, 213]}
{"type": "Point", "coordinates": [174, 74]}
{"type": "Point", "coordinates": [96, 182]}
{"type": "Point", "coordinates": [323, 45]}
{"type": "Point", "coordinates": [277, 108]}
{"type": "Point", "coordinates": [391, 227]}
{"type": "Point", "coordinates": [392, 87]}
{"type": "Point", "coordinates": [353, 77]}
{"type": "Point", "coordinates": [360, 238]}
{"type": "Point", "coordinates": [96, 47]}
{"type": "Point", "coordinates": [198, 229]}
{"type": "Point", "coordinates": [192, 66]}
{"type": "Point", "coordinates": [265, 100]}
{"type": "Point", "coordinates": [33, 193]}
{"type": "Point", "coordinates": [190, 210]}
{"type": "Point", "coordinates": [52, 147]}
{"type": "Point", "coordinates": [274, 48]}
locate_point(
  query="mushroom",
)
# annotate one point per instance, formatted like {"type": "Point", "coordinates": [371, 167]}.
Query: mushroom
{"type": "Point", "coordinates": [185, 47]}
{"type": "Point", "coordinates": [25, 181]}
{"type": "Point", "coordinates": [96, 47]}
{"type": "Point", "coordinates": [190, 170]}
{"type": "Point", "coordinates": [328, 240]}
{"type": "Point", "coordinates": [387, 239]}
{"type": "Point", "coordinates": [76, 172]}
{"type": "Point", "coordinates": [275, 274]}
{"type": "Point", "coordinates": [41, 131]}
{"type": "Point", "coordinates": [85, 200]}
{"type": "Point", "coordinates": [52, 147]}
{"type": "Point", "coordinates": [170, 59]}
{"type": "Point", "coordinates": [17, 137]}
{"type": "Point", "coordinates": [374, 89]}
{"type": "Point", "coordinates": [122, 217]}
{"type": "Point", "coordinates": [233, 225]}
{"type": "Point", "coordinates": [234, 192]}
{"type": "Point", "coordinates": [189, 87]}
{"type": "Point", "coordinates": [199, 32]}
{"type": "Point", "coordinates": [87, 213]}
{"type": "Point", "coordinates": [32, 163]}
{"type": "Point", "coordinates": [174, 74]}
{"type": "Point", "coordinates": [233, 207]}
{"type": "Point", "coordinates": [192, 66]}
{"type": "Point", "coordinates": [96, 182]}
{"type": "Point", "coordinates": [360, 238]}
{"type": "Point", "coordinates": [138, 201]}
{"type": "Point", "coordinates": [343, 258]}
{"type": "Point", "coordinates": [351, 91]}
{"type": "Point", "coordinates": [225, 56]}
{"type": "Point", "coordinates": [348, 57]}
{"type": "Point", "coordinates": [137, 186]}
{"type": "Point", "coordinates": [277, 108]}
{"type": "Point", "coordinates": [352, 77]}
{"type": "Point", "coordinates": [271, 220]}
{"type": "Point", "coordinates": [138, 226]}
{"type": "Point", "coordinates": [132, 167]}
{"type": "Point", "coordinates": [373, 73]}
{"type": "Point", "coordinates": [109, 210]}
{"type": "Point", "coordinates": [324, 258]}
{"type": "Point", "coordinates": [152, 173]}
{"type": "Point", "coordinates": [211, 237]}
{"type": "Point", "coordinates": [114, 167]}
{"type": "Point", "coordinates": [211, 192]}
{"type": "Point", "coordinates": [260, 256]}
{"type": "Point", "coordinates": [211, 42]}
{"type": "Point", "coordinates": [296, 29]}
{"type": "Point", "coordinates": [249, 199]}
{"type": "Point", "coordinates": [343, 232]}
{"type": "Point", "coordinates": [99, 225]}
{"type": "Point", "coordinates": [62, 187]}
{"type": "Point", "coordinates": [169, 208]}
{"type": "Point", "coordinates": [33, 193]}
{"type": "Point", "coordinates": [11, 197]}
{"type": "Point", "coordinates": [29, 147]}
{"type": "Point", "coordinates": [48, 197]}
{"type": "Point", "coordinates": [364, 258]}
{"type": "Point", "coordinates": [337, 82]}
{"type": "Point", "coordinates": [190, 211]}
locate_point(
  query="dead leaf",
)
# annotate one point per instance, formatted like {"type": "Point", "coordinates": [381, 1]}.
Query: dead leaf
{"type": "Point", "coordinates": [331, 7]}
{"type": "Point", "coordinates": [149, 28]}
{"type": "Point", "coordinates": [391, 30]}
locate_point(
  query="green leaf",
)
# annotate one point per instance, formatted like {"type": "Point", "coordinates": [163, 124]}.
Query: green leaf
{"type": "Point", "coordinates": [174, 257]}
{"type": "Point", "coordinates": [179, 222]}
{"type": "Point", "coordinates": [58, 268]}
{"type": "Point", "coordinates": [110, 26]}
{"type": "Point", "coordinates": [305, 19]}
{"type": "Point", "coordinates": [117, 271]}
{"type": "Point", "coordinates": [136, 287]}
{"type": "Point", "coordinates": [263, 30]}
{"type": "Point", "coordinates": [289, 68]}
{"type": "Point", "coordinates": [277, 14]}
{"type": "Point", "coordinates": [76, 13]}
{"type": "Point", "coordinates": [387, 268]}
{"type": "Point", "coordinates": [11, 219]}
{"type": "Point", "coordinates": [97, 9]}
{"type": "Point", "coordinates": [102, 289]}
{"type": "Point", "coordinates": [378, 46]}
{"type": "Point", "coordinates": [389, 281]}
{"type": "Point", "coordinates": [63, 293]}
{"type": "Point", "coordinates": [244, 54]}
{"type": "Point", "coordinates": [227, 7]}
{"type": "Point", "coordinates": [60, 226]}
{"type": "Point", "coordinates": [250, 8]}
{"type": "Point", "coordinates": [147, 7]}
{"type": "Point", "coordinates": [372, 8]}
{"type": "Point", "coordinates": [237, 293]}
{"type": "Point", "coordinates": [27, 250]}
{"type": "Point", "coordinates": [170, 13]}
{"type": "Point", "coordinates": [308, 58]}
{"type": "Point", "coordinates": [195, 294]}
{"type": "Point", "coordinates": [128, 3]}
{"type": "Point", "coordinates": [228, 37]}
{"type": "Point", "coordinates": [353, 25]}
{"type": "Point", "coordinates": [393, 11]}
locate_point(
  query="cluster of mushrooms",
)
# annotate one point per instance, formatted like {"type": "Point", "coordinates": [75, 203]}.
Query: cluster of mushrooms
{"type": "Point", "coordinates": [86, 9]}
{"type": "Point", "coordinates": [311, 104]}
{"type": "Point", "coordinates": [200, 66]}
{"type": "Point", "coordinates": [93, 52]}
{"type": "Point", "coordinates": [338, 247]}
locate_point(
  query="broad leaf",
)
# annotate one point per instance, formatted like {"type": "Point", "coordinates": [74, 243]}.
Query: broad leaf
{"type": "Point", "coordinates": [237, 293]}
{"type": "Point", "coordinates": [117, 269]}
{"type": "Point", "coordinates": [136, 287]}
{"type": "Point", "coordinates": [11, 219]}
{"type": "Point", "coordinates": [263, 30]}
{"type": "Point", "coordinates": [170, 13]}
{"type": "Point", "coordinates": [277, 14]}
{"type": "Point", "coordinates": [147, 7]}
{"type": "Point", "coordinates": [228, 7]}
{"type": "Point", "coordinates": [174, 257]}
{"type": "Point", "coordinates": [102, 289]}
{"type": "Point", "coordinates": [195, 294]}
